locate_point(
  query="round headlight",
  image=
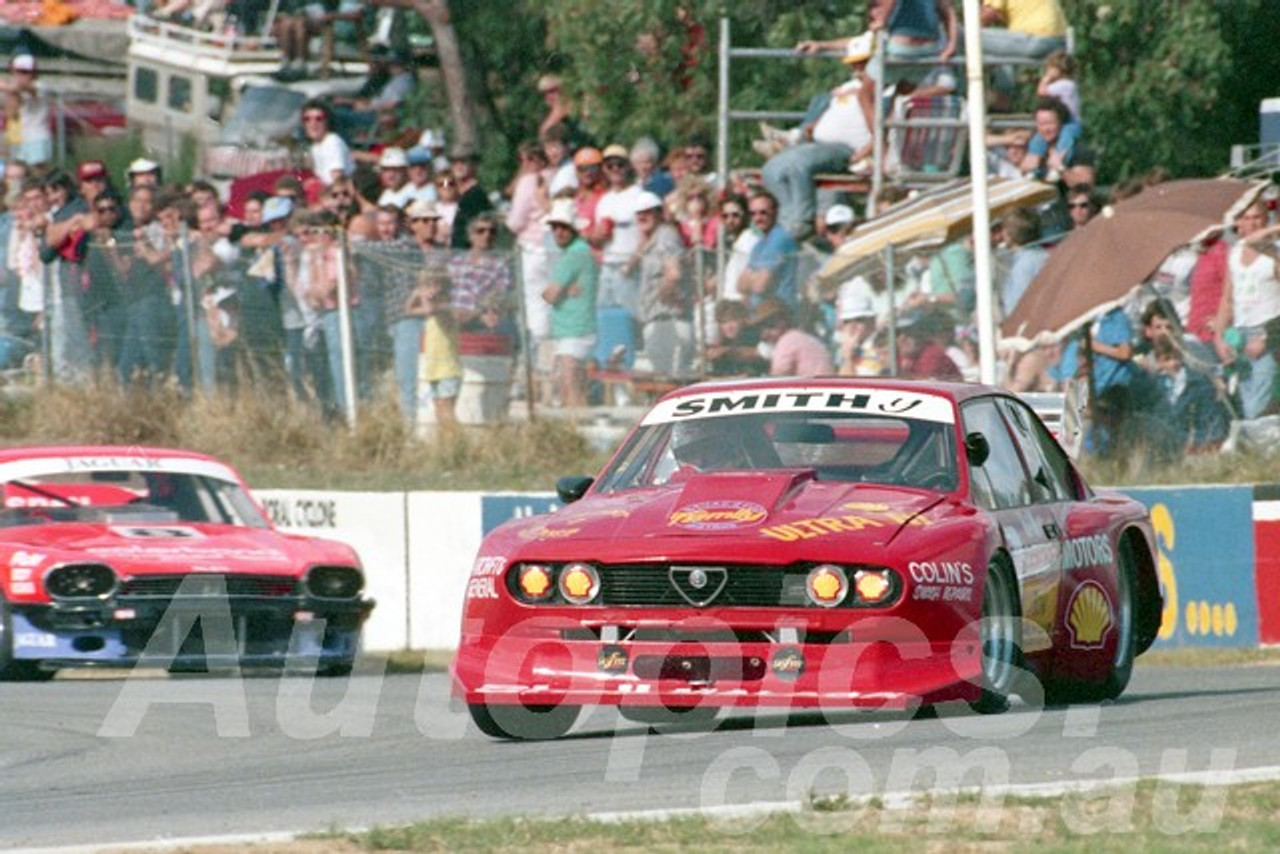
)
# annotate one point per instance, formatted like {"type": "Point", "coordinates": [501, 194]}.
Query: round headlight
{"type": "Point", "coordinates": [579, 583]}
{"type": "Point", "coordinates": [872, 586]}
{"type": "Point", "coordinates": [827, 585]}
{"type": "Point", "coordinates": [80, 581]}
{"type": "Point", "coordinates": [535, 582]}
{"type": "Point", "coordinates": [334, 582]}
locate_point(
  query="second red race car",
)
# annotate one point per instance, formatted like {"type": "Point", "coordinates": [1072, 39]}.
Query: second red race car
{"type": "Point", "coordinates": [811, 544]}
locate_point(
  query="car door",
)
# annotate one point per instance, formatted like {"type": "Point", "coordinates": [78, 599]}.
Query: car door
{"type": "Point", "coordinates": [1010, 483]}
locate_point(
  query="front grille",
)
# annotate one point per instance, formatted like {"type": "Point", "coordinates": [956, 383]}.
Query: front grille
{"type": "Point", "coordinates": [166, 586]}
{"type": "Point", "coordinates": [745, 586]}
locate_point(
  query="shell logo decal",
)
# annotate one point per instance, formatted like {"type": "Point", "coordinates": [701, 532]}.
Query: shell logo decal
{"type": "Point", "coordinates": [1089, 616]}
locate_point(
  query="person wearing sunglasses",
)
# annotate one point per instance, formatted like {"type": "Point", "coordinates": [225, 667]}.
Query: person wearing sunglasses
{"type": "Point", "coordinates": [330, 155]}
{"type": "Point", "coordinates": [105, 269]}
{"type": "Point", "coordinates": [480, 275]}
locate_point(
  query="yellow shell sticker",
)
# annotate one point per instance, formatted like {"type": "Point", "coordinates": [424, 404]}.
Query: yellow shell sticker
{"type": "Point", "coordinates": [1089, 616]}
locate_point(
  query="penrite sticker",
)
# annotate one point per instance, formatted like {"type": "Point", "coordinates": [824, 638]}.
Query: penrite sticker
{"type": "Point", "coordinates": [718, 515]}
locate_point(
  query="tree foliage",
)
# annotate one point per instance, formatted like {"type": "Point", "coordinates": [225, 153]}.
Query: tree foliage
{"type": "Point", "coordinates": [1165, 83]}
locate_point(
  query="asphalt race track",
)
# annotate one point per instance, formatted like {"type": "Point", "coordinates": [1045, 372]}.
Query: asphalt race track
{"type": "Point", "coordinates": [126, 760]}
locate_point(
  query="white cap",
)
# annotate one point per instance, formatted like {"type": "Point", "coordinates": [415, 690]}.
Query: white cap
{"type": "Point", "coordinates": [646, 201]}
{"type": "Point", "coordinates": [860, 48]}
{"type": "Point", "coordinates": [143, 165]}
{"type": "Point", "coordinates": [855, 300]}
{"type": "Point", "coordinates": [432, 138]}
{"type": "Point", "coordinates": [563, 212]}
{"type": "Point", "coordinates": [839, 215]}
{"type": "Point", "coordinates": [393, 158]}
{"type": "Point", "coordinates": [22, 62]}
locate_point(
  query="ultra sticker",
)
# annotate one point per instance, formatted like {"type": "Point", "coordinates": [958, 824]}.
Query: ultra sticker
{"type": "Point", "coordinates": [718, 515]}
{"type": "Point", "coordinates": [787, 663]}
{"type": "Point", "coordinates": [612, 659]}
{"type": "Point", "coordinates": [1089, 616]}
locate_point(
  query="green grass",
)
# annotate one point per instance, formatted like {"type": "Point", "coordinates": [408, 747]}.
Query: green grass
{"type": "Point", "coordinates": [1153, 818]}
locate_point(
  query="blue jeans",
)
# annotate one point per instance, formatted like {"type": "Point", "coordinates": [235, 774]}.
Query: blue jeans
{"type": "Point", "coordinates": [789, 176]}
{"type": "Point", "coordinates": [149, 338]}
{"type": "Point", "coordinates": [1256, 386]}
{"type": "Point", "coordinates": [406, 345]}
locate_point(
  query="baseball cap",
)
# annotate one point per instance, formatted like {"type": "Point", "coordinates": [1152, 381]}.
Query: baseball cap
{"type": "Point", "coordinates": [859, 49]}
{"type": "Point", "coordinates": [840, 214]}
{"type": "Point", "coordinates": [563, 212]}
{"type": "Point", "coordinates": [647, 201]}
{"type": "Point", "coordinates": [393, 158]}
{"type": "Point", "coordinates": [419, 155]}
{"type": "Point", "coordinates": [276, 208]}
{"type": "Point", "coordinates": [855, 300]}
{"type": "Point", "coordinates": [22, 62]}
{"type": "Point", "coordinates": [588, 157]}
{"type": "Point", "coordinates": [91, 169]}
{"type": "Point", "coordinates": [615, 150]}
{"type": "Point", "coordinates": [422, 209]}
{"type": "Point", "coordinates": [142, 165]}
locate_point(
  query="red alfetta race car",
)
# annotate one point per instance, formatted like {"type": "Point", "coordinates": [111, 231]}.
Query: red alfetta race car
{"type": "Point", "coordinates": [823, 543]}
{"type": "Point", "coordinates": [117, 556]}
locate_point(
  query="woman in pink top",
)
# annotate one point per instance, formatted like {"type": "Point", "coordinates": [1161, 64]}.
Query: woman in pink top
{"type": "Point", "coordinates": [795, 353]}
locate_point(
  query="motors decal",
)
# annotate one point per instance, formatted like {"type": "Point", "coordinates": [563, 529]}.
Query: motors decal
{"type": "Point", "coordinates": [943, 581]}
{"type": "Point", "coordinates": [1087, 551]}
{"type": "Point", "coordinates": [804, 399]}
{"type": "Point", "coordinates": [720, 515]}
{"type": "Point", "coordinates": [1089, 616]}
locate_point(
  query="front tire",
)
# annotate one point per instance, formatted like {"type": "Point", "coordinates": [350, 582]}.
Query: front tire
{"type": "Point", "coordinates": [519, 722]}
{"type": "Point", "coordinates": [1001, 639]}
{"type": "Point", "coordinates": [682, 716]}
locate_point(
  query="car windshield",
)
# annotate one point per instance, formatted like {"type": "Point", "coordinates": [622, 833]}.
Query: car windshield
{"type": "Point", "coordinates": [127, 497]}
{"type": "Point", "coordinates": [863, 447]}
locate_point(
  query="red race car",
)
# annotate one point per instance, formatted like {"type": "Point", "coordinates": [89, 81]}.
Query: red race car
{"type": "Point", "coordinates": [110, 556]}
{"type": "Point", "coordinates": [822, 544]}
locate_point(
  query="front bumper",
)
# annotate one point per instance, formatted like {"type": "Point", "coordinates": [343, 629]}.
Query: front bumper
{"type": "Point", "coordinates": [841, 674]}
{"type": "Point", "coordinates": [195, 631]}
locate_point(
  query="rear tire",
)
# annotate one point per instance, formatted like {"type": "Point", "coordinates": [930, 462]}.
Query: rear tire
{"type": "Point", "coordinates": [519, 722]}
{"type": "Point", "coordinates": [1001, 634]}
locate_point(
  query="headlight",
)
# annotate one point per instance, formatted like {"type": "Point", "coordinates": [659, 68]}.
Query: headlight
{"type": "Point", "coordinates": [80, 581]}
{"type": "Point", "coordinates": [827, 585]}
{"type": "Point", "coordinates": [873, 586]}
{"type": "Point", "coordinates": [535, 582]}
{"type": "Point", "coordinates": [334, 582]}
{"type": "Point", "coordinates": [579, 583]}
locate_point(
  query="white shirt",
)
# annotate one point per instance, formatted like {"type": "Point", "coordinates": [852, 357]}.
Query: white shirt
{"type": "Point", "coordinates": [736, 263]}
{"type": "Point", "coordinates": [619, 206]}
{"type": "Point", "coordinates": [400, 198]}
{"type": "Point", "coordinates": [330, 155]}
{"type": "Point", "coordinates": [843, 121]}
{"type": "Point", "coordinates": [1255, 291]}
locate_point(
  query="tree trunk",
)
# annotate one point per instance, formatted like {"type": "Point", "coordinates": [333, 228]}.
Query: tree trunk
{"type": "Point", "coordinates": [461, 111]}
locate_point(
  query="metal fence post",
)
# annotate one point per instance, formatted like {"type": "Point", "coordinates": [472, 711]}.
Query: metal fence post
{"type": "Point", "coordinates": [344, 325]}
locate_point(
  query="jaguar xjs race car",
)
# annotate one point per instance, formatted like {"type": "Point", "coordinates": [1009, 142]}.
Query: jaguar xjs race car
{"type": "Point", "coordinates": [811, 544]}
{"type": "Point", "coordinates": [116, 556]}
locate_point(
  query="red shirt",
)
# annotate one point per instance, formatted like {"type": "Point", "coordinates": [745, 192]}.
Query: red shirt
{"type": "Point", "coordinates": [932, 363]}
{"type": "Point", "coordinates": [1208, 278]}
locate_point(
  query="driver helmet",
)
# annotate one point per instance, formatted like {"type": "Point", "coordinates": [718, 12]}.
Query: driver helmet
{"type": "Point", "coordinates": [703, 445]}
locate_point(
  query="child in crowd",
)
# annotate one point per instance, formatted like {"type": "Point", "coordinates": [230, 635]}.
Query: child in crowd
{"type": "Point", "coordinates": [1058, 81]}
{"type": "Point", "coordinates": [440, 365]}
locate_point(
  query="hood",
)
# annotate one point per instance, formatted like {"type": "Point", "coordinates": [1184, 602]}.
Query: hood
{"type": "Point", "coordinates": [141, 549]}
{"type": "Point", "coordinates": [779, 506]}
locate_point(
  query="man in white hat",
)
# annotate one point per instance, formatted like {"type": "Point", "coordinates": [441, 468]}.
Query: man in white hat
{"type": "Point", "coordinates": [666, 292]}
{"type": "Point", "coordinates": [835, 133]}
{"type": "Point", "coordinates": [393, 175]}
{"type": "Point", "coordinates": [572, 297]}
{"type": "Point", "coordinates": [615, 234]}
{"type": "Point", "coordinates": [26, 104]}
{"type": "Point", "coordinates": [856, 313]}
{"type": "Point", "coordinates": [144, 173]}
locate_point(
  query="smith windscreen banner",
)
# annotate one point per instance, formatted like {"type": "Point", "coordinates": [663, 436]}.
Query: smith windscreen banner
{"type": "Point", "coordinates": [1205, 562]}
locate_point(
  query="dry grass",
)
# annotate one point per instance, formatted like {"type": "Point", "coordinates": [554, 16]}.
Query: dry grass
{"type": "Point", "coordinates": [276, 442]}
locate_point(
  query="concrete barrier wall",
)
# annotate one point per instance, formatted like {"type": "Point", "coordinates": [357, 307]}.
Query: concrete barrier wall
{"type": "Point", "coordinates": [1219, 556]}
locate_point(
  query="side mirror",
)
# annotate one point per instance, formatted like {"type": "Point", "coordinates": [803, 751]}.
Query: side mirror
{"type": "Point", "coordinates": [571, 488]}
{"type": "Point", "coordinates": [976, 449]}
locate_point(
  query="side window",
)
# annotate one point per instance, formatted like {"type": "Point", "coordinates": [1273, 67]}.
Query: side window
{"type": "Point", "coordinates": [146, 86]}
{"type": "Point", "coordinates": [180, 93]}
{"type": "Point", "coordinates": [1050, 481]}
{"type": "Point", "coordinates": [1001, 481]}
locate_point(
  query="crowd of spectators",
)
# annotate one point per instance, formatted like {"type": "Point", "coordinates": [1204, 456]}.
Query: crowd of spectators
{"type": "Point", "coordinates": [620, 258]}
